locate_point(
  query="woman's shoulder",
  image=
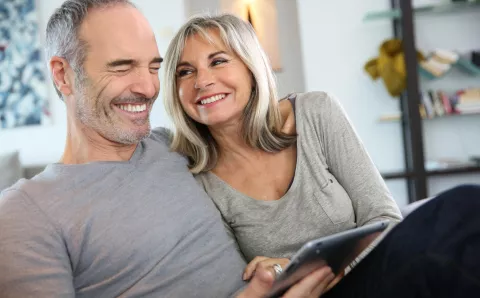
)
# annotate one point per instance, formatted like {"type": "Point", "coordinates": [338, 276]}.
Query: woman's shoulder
{"type": "Point", "coordinates": [304, 106]}
{"type": "Point", "coordinates": [316, 104]}
{"type": "Point", "coordinates": [314, 99]}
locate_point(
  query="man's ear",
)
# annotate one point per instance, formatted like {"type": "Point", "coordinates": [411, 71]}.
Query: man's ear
{"type": "Point", "coordinates": [62, 79]}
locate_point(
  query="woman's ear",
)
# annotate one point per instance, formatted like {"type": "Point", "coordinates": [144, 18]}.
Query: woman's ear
{"type": "Point", "coordinates": [60, 68]}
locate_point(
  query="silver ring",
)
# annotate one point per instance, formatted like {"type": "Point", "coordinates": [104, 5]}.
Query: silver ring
{"type": "Point", "coordinates": [278, 269]}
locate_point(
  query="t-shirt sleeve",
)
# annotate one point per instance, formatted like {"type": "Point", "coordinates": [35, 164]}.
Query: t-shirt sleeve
{"type": "Point", "coordinates": [33, 258]}
{"type": "Point", "coordinates": [349, 162]}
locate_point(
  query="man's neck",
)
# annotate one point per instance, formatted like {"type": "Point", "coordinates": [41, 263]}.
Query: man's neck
{"type": "Point", "coordinates": [84, 145]}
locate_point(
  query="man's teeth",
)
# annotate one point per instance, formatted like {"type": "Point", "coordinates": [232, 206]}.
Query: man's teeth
{"type": "Point", "coordinates": [133, 108]}
{"type": "Point", "coordinates": [212, 99]}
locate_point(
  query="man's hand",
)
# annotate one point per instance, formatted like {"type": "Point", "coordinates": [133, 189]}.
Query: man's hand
{"type": "Point", "coordinates": [313, 285]}
{"type": "Point", "coordinates": [265, 263]}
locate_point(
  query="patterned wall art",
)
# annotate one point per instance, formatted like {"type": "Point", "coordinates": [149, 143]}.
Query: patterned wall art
{"type": "Point", "coordinates": [23, 89]}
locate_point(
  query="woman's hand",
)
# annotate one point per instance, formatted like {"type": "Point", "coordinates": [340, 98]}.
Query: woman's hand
{"type": "Point", "coordinates": [334, 281]}
{"type": "Point", "coordinates": [264, 263]}
{"type": "Point", "coordinates": [312, 286]}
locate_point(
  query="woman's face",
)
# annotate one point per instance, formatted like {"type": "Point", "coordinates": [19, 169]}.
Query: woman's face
{"type": "Point", "coordinates": [214, 85]}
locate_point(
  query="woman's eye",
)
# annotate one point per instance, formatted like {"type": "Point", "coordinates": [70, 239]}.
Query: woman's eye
{"type": "Point", "coordinates": [183, 72]}
{"type": "Point", "coordinates": [218, 62]}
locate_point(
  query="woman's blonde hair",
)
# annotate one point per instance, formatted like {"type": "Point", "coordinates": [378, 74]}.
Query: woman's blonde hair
{"type": "Point", "coordinates": [262, 120]}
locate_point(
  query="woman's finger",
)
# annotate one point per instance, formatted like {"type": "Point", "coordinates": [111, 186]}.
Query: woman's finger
{"type": "Point", "coordinates": [267, 264]}
{"type": "Point", "coordinates": [334, 281]}
{"type": "Point", "coordinates": [312, 285]}
{"type": "Point", "coordinates": [259, 286]}
{"type": "Point", "coordinates": [322, 287]}
{"type": "Point", "coordinates": [250, 269]}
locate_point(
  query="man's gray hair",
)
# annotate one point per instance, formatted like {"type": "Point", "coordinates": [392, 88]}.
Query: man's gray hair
{"type": "Point", "coordinates": [62, 38]}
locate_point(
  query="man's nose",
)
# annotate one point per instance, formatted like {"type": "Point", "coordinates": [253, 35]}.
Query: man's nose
{"type": "Point", "coordinates": [146, 84]}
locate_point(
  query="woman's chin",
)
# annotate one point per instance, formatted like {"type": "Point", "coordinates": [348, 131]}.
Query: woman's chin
{"type": "Point", "coordinates": [214, 122]}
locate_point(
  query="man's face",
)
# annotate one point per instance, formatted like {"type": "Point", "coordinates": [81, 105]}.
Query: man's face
{"type": "Point", "coordinates": [119, 83]}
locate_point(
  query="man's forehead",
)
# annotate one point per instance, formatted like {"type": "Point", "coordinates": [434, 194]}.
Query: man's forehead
{"type": "Point", "coordinates": [120, 28]}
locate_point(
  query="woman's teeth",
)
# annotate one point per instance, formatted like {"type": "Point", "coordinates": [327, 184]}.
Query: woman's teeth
{"type": "Point", "coordinates": [212, 99]}
{"type": "Point", "coordinates": [133, 108]}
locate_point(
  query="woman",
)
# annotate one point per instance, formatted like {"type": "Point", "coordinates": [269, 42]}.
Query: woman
{"type": "Point", "coordinates": [280, 172]}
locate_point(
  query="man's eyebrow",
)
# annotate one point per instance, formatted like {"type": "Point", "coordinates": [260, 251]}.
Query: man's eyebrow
{"type": "Point", "coordinates": [157, 60]}
{"type": "Point", "coordinates": [120, 62]}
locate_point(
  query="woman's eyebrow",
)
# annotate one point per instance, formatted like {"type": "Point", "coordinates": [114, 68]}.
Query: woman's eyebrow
{"type": "Point", "coordinates": [183, 63]}
{"type": "Point", "coordinates": [215, 54]}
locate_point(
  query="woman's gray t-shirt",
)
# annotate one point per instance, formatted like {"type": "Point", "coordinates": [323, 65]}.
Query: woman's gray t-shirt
{"type": "Point", "coordinates": [336, 187]}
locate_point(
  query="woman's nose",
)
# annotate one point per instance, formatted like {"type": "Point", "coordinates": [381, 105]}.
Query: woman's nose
{"type": "Point", "coordinates": [204, 79]}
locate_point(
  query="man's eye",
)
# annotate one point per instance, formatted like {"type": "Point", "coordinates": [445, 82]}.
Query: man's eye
{"type": "Point", "coordinates": [154, 69]}
{"type": "Point", "coordinates": [121, 70]}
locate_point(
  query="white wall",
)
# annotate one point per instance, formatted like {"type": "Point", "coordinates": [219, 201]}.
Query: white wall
{"type": "Point", "coordinates": [291, 77]}
{"type": "Point", "coordinates": [193, 7]}
{"type": "Point", "coordinates": [44, 144]}
{"type": "Point", "coordinates": [337, 43]}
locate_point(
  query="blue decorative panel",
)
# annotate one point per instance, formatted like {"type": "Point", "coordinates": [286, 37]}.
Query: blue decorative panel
{"type": "Point", "coordinates": [23, 90]}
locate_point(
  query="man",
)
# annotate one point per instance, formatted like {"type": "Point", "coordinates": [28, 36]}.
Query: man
{"type": "Point", "coordinates": [119, 215]}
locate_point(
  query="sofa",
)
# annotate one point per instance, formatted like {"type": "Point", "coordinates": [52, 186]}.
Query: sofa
{"type": "Point", "coordinates": [11, 169]}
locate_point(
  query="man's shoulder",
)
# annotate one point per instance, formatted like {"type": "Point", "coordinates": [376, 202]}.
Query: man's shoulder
{"type": "Point", "coordinates": [162, 135]}
{"type": "Point", "coordinates": [28, 190]}
{"type": "Point", "coordinates": [11, 193]}
{"type": "Point", "coordinates": [16, 200]}
{"type": "Point", "coordinates": [53, 190]}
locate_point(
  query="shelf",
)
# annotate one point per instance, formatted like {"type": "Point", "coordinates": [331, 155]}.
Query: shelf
{"type": "Point", "coordinates": [460, 170]}
{"type": "Point", "coordinates": [468, 67]}
{"type": "Point", "coordinates": [396, 175]}
{"type": "Point", "coordinates": [397, 117]}
{"type": "Point", "coordinates": [424, 10]}
{"type": "Point", "coordinates": [432, 173]}
{"type": "Point", "coordinates": [462, 64]}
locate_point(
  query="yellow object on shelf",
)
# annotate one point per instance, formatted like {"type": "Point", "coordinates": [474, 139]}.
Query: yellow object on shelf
{"type": "Point", "coordinates": [390, 66]}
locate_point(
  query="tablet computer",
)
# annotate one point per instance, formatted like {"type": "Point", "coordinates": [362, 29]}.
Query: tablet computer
{"type": "Point", "coordinates": [331, 250]}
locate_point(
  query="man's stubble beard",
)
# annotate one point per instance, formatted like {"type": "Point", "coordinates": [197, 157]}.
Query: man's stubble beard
{"type": "Point", "coordinates": [101, 120]}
